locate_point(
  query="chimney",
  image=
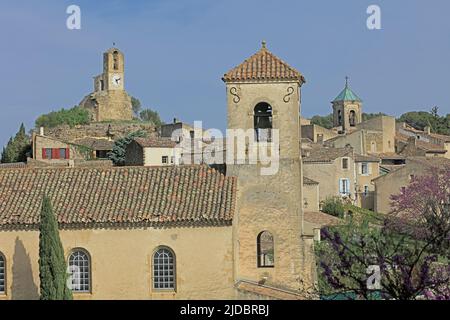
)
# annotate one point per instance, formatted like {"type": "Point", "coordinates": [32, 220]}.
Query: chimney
{"type": "Point", "coordinates": [41, 131]}
{"type": "Point", "coordinates": [427, 129]}
{"type": "Point", "coordinates": [175, 120]}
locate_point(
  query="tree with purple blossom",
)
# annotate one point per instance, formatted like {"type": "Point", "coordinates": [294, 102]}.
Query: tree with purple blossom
{"type": "Point", "coordinates": [410, 247]}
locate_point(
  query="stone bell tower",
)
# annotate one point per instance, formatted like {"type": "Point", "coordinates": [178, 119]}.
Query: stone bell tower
{"type": "Point", "coordinates": [347, 109]}
{"type": "Point", "coordinates": [113, 69]}
{"type": "Point", "coordinates": [263, 98]}
{"type": "Point", "coordinates": [110, 101]}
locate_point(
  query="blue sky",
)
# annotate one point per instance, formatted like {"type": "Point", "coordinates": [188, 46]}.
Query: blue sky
{"type": "Point", "coordinates": [177, 51]}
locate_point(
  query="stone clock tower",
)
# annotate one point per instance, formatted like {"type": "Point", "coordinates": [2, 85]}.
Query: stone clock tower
{"type": "Point", "coordinates": [264, 98]}
{"type": "Point", "coordinates": [113, 69]}
{"type": "Point", "coordinates": [110, 101]}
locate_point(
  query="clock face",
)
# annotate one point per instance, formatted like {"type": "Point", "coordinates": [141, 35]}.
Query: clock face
{"type": "Point", "coordinates": [116, 80]}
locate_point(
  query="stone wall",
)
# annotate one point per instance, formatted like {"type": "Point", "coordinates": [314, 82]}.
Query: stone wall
{"type": "Point", "coordinates": [311, 196]}
{"type": "Point", "coordinates": [99, 130]}
{"type": "Point", "coordinates": [121, 261]}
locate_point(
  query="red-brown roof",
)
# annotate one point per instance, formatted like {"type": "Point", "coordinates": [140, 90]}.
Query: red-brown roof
{"type": "Point", "coordinates": [92, 196]}
{"type": "Point", "coordinates": [155, 143]}
{"type": "Point", "coordinates": [321, 219]}
{"type": "Point", "coordinates": [263, 66]}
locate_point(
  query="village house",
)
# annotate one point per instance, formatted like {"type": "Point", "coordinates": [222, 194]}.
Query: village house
{"type": "Point", "coordinates": [342, 173]}
{"type": "Point", "coordinates": [395, 181]}
{"type": "Point", "coordinates": [334, 169]}
{"type": "Point", "coordinates": [417, 143]}
{"type": "Point", "coordinates": [152, 152]}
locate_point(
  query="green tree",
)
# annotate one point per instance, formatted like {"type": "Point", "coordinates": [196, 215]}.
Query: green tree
{"type": "Point", "coordinates": [334, 207]}
{"type": "Point", "coordinates": [151, 116]}
{"type": "Point", "coordinates": [136, 105]}
{"type": "Point", "coordinates": [52, 265]}
{"type": "Point", "coordinates": [71, 117]}
{"type": "Point", "coordinates": [117, 155]}
{"type": "Point", "coordinates": [369, 116]}
{"type": "Point", "coordinates": [18, 148]}
{"type": "Point", "coordinates": [323, 121]}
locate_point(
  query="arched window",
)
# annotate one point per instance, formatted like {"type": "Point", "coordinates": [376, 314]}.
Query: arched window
{"type": "Point", "coordinates": [80, 271]}
{"type": "Point", "coordinates": [262, 118]}
{"type": "Point", "coordinates": [2, 274]}
{"type": "Point", "coordinates": [266, 257]}
{"type": "Point", "coordinates": [339, 117]}
{"type": "Point", "coordinates": [352, 118]}
{"type": "Point", "coordinates": [116, 60]}
{"type": "Point", "coordinates": [373, 146]}
{"type": "Point", "coordinates": [164, 276]}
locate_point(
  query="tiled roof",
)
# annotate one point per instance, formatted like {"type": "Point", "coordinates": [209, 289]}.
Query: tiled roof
{"type": "Point", "coordinates": [421, 144]}
{"type": "Point", "coordinates": [321, 219]}
{"type": "Point", "coordinates": [96, 144]}
{"type": "Point", "coordinates": [13, 165]}
{"type": "Point", "coordinates": [390, 156]}
{"type": "Point", "coordinates": [441, 137]}
{"type": "Point", "coordinates": [363, 158]}
{"type": "Point", "coordinates": [309, 181]}
{"type": "Point", "coordinates": [326, 154]}
{"type": "Point", "coordinates": [93, 196]}
{"type": "Point", "coordinates": [263, 66]}
{"type": "Point", "coordinates": [155, 143]}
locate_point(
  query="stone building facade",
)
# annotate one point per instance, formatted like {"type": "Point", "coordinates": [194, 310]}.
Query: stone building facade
{"type": "Point", "coordinates": [152, 152]}
{"type": "Point", "coordinates": [393, 182]}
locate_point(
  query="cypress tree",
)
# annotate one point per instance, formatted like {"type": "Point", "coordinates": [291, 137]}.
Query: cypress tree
{"type": "Point", "coordinates": [52, 265]}
{"type": "Point", "coordinates": [18, 148]}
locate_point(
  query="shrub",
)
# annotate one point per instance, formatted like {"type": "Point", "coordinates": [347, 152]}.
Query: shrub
{"type": "Point", "coordinates": [334, 207]}
{"type": "Point", "coordinates": [71, 117]}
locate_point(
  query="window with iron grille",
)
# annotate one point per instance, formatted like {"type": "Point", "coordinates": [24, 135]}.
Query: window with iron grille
{"type": "Point", "coordinates": [80, 271]}
{"type": "Point", "coordinates": [164, 269]}
{"type": "Point", "coordinates": [2, 274]}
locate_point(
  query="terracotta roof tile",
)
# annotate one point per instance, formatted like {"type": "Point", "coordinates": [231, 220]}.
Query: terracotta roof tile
{"type": "Point", "coordinates": [326, 154]}
{"type": "Point", "coordinates": [423, 145]}
{"type": "Point", "coordinates": [155, 143]}
{"type": "Point", "coordinates": [363, 158]}
{"type": "Point", "coordinates": [117, 195]}
{"type": "Point", "coordinates": [321, 219]}
{"type": "Point", "coordinates": [264, 66]}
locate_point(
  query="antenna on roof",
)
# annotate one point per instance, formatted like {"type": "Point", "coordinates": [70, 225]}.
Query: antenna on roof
{"type": "Point", "coordinates": [346, 81]}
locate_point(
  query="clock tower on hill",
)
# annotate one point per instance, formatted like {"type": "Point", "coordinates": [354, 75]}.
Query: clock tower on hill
{"type": "Point", "coordinates": [110, 101]}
